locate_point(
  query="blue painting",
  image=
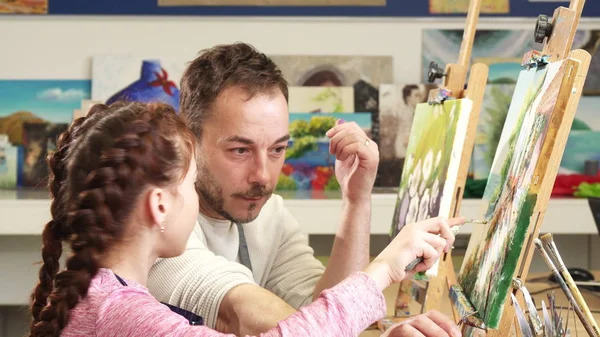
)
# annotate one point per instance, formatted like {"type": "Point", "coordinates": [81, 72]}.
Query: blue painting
{"type": "Point", "coordinates": [443, 46]}
{"type": "Point", "coordinates": [582, 144]}
{"type": "Point", "coordinates": [308, 164]}
{"type": "Point", "coordinates": [124, 77]}
{"type": "Point", "coordinates": [504, 72]}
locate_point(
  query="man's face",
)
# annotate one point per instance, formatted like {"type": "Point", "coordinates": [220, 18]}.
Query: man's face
{"type": "Point", "coordinates": [241, 153]}
{"type": "Point", "coordinates": [414, 98]}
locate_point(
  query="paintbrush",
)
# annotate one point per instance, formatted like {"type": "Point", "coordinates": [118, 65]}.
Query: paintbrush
{"type": "Point", "coordinates": [538, 245]}
{"type": "Point", "coordinates": [466, 311]}
{"type": "Point", "coordinates": [455, 230]}
{"type": "Point", "coordinates": [550, 246]}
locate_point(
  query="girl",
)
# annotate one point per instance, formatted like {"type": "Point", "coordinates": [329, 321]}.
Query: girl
{"type": "Point", "coordinates": [122, 182]}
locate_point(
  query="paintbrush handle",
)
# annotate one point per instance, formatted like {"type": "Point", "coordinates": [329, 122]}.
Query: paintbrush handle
{"type": "Point", "coordinates": [564, 287]}
{"type": "Point", "coordinates": [580, 301]}
{"type": "Point", "coordinates": [562, 268]}
{"type": "Point", "coordinates": [576, 307]}
{"type": "Point", "coordinates": [413, 264]}
{"type": "Point", "coordinates": [454, 230]}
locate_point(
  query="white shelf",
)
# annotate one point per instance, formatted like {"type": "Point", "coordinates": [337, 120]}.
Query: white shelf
{"type": "Point", "coordinates": [319, 216]}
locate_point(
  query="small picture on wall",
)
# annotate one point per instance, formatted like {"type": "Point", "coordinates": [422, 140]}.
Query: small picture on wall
{"type": "Point", "coordinates": [502, 70]}
{"type": "Point", "coordinates": [32, 115]}
{"type": "Point", "coordinates": [308, 164]}
{"type": "Point", "coordinates": [38, 101]}
{"type": "Point", "coordinates": [321, 99]}
{"type": "Point", "coordinates": [24, 6]}
{"type": "Point", "coordinates": [582, 144]}
{"type": "Point", "coordinates": [462, 6]}
{"type": "Point", "coordinates": [125, 77]}
{"type": "Point", "coordinates": [272, 2]}
{"type": "Point", "coordinates": [364, 73]}
{"type": "Point", "coordinates": [397, 104]}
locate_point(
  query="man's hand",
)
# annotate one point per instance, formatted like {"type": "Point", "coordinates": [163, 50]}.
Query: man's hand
{"type": "Point", "coordinates": [430, 324]}
{"type": "Point", "coordinates": [357, 158]}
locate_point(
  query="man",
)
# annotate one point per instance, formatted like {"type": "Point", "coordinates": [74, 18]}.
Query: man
{"type": "Point", "coordinates": [248, 265]}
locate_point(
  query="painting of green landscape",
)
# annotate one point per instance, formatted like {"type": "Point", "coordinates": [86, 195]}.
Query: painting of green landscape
{"type": "Point", "coordinates": [432, 161]}
{"type": "Point", "coordinates": [494, 109]}
{"type": "Point", "coordinates": [494, 249]}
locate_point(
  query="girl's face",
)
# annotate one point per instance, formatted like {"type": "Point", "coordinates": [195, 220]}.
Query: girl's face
{"type": "Point", "coordinates": [182, 218]}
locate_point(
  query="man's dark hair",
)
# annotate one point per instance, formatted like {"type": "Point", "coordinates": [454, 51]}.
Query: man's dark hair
{"type": "Point", "coordinates": [221, 67]}
{"type": "Point", "coordinates": [407, 90]}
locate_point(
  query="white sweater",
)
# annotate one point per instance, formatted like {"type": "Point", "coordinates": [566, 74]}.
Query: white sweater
{"type": "Point", "coordinates": [281, 259]}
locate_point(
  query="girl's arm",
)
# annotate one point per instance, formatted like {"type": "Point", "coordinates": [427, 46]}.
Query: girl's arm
{"type": "Point", "coordinates": [344, 310]}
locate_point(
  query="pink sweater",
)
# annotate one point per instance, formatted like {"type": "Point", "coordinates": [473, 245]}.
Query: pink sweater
{"type": "Point", "coordinates": [112, 309]}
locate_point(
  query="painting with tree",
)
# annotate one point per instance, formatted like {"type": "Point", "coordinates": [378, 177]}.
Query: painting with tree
{"type": "Point", "coordinates": [432, 161]}
{"type": "Point", "coordinates": [321, 99]}
{"type": "Point", "coordinates": [494, 109]}
{"type": "Point", "coordinates": [495, 248]}
{"type": "Point", "coordinates": [309, 168]}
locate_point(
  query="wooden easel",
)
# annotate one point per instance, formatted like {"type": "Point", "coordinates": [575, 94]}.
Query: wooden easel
{"type": "Point", "coordinates": [455, 76]}
{"type": "Point", "coordinates": [558, 39]}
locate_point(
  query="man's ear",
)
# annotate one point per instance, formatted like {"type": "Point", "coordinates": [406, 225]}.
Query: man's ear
{"type": "Point", "coordinates": [157, 205]}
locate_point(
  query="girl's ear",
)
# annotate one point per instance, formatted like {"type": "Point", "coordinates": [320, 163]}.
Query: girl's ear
{"type": "Point", "coordinates": [158, 205]}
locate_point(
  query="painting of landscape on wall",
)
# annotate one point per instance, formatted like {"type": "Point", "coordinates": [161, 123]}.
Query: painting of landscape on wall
{"type": "Point", "coordinates": [494, 249]}
{"type": "Point", "coordinates": [32, 115]}
{"type": "Point", "coordinates": [272, 2]}
{"type": "Point", "coordinates": [501, 70]}
{"type": "Point", "coordinates": [584, 137]}
{"type": "Point", "coordinates": [496, 102]}
{"type": "Point", "coordinates": [308, 165]}
{"type": "Point", "coordinates": [462, 6]}
{"type": "Point", "coordinates": [432, 159]}
{"type": "Point", "coordinates": [321, 99]}
{"type": "Point", "coordinates": [23, 6]}
{"type": "Point", "coordinates": [364, 73]}
{"type": "Point", "coordinates": [443, 46]}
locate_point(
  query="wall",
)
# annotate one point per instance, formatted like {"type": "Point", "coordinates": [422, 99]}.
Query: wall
{"type": "Point", "coordinates": [61, 48]}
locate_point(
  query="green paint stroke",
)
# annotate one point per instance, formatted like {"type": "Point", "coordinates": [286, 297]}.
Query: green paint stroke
{"type": "Point", "coordinates": [515, 246]}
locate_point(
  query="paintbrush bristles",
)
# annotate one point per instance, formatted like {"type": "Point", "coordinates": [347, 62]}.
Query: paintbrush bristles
{"type": "Point", "coordinates": [547, 238]}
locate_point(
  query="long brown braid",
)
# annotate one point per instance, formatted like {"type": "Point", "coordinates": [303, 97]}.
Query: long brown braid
{"type": "Point", "coordinates": [55, 230]}
{"type": "Point", "coordinates": [133, 147]}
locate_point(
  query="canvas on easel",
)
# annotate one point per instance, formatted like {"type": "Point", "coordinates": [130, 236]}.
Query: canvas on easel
{"type": "Point", "coordinates": [491, 259]}
{"type": "Point", "coordinates": [523, 172]}
{"type": "Point", "coordinates": [451, 93]}
{"type": "Point", "coordinates": [430, 169]}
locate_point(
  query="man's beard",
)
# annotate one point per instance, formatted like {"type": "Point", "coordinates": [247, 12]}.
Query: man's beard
{"type": "Point", "coordinates": [210, 191]}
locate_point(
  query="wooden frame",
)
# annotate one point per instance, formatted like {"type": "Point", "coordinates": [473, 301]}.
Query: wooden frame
{"type": "Point", "coordinates": [558, 47]}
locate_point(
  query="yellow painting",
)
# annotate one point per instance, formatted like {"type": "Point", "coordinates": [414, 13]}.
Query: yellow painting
{"type": "Point", "coordinates": [272, 2]}
{"type": "Point", "coordinates": [24, 6]}
{"type": "Point", "coordinates": [321, 99]}
{"type": "Point", "coordinates": [462, 6]}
